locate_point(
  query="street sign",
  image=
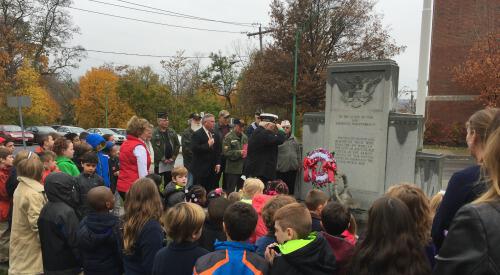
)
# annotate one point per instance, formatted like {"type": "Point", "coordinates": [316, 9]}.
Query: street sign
{"type": "Point", "coordinates": [15, 101]}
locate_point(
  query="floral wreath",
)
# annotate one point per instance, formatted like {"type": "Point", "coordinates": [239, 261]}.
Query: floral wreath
{"type": "Point", "coordinates": [328, 167]}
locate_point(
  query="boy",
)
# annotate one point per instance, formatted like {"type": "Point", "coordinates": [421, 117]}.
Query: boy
{"type": "Point", "coordinates": [57, 226]}
{"type": "Point", "coordinates": [236, 255]}
{"type": "Point", "coordinates": [99, 235]}
{"type": "Point", "coordinates": [87, 180]}
{"type": "Point", "coordinates": [315, 201]}
{"type": "Point", "coordinates": [335, 219]}
{"type": "Point", "coordinates": [98, 144]}
{"type": "Point", "coordinates": [45, 142]}
{"type": "Point", "coordinates": [299, 251]}
{"type": "Point", "coordinates": [49, 163]}
{"type": "Point", "coordinates": [212, 228]}
{"type": "Point", "coordinates": [6, 162]}
{"type": "Point", "coordinates": [175, 190]}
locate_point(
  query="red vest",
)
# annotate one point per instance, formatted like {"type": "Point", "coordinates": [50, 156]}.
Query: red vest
{"type": "Point", "coordinates": [128, 163]}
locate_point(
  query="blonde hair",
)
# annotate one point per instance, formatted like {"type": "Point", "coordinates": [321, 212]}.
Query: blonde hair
{"type": "Point", "coordinates": [183, 220]}
{"type": "Point", "coordinates": [418, 204]}
{"type": "Point", "coordinates": [480, 122]}
{"type": "Point", "coordinates": [179, 171]}
{"type": "Point", "coordinates": [491, 163]}
{"type": "Point", "coordinates": [20, 156]}
{"type": "Point", "coordinates": [136, 126]}
{"type": "Point", "coordinates": [142, 203]}
{"type": "Point", "coordinates": [251, 187]}
{"type": "Point", "coordinates": [436, 202]}
{"type": "Point", "coordinates": [30, 167]}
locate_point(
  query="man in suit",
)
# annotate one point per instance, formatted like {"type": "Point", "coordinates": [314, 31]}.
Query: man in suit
{"type": "Point", "coordinates": [207, 149]}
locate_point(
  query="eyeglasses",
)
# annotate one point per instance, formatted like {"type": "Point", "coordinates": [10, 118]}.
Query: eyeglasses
{"type": "Point", "coordinates": [286, 127]}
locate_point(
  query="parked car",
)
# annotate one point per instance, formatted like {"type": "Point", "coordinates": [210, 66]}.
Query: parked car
{"type": "Point", "coordinates": [119, 131]}
{"type": "Point", "coordinates": [40, 130]}
{"type": "Point", "coordinates": [62, 130]}
{"type": "Point", "coordinates": [16, 133]}
{"type": "Point", "coordinates": [56, 126]}
{"type": "Point", "coordinates": [105, 131]}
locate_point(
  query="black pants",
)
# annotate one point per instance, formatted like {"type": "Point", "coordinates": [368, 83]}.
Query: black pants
{"type": "Point", "coordinates": [209, 182]}
{"type": "Point", "coordinates": [232, 182]}
{"type": "Point", "coordinates": [166, 176]}
{"type": "Point", "coordinates": [289, 178]}
{"type": "Point", "coordinates": [122, 195]}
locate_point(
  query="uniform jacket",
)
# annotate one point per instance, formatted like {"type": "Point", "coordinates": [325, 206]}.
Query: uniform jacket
{"type": "Point", "coordinates": [205, 158]}
{"type": "Point", "coordinates": [99, 241]}
{"type": "Point", "coordinates": [159, 140]}
{"type": "Point", "coordinates": [471, 246]}
{"type": "Point", "coordinates": [25, 250]}
{"type": "Point", "coordinates": [231, 148]}
{"type": "Point", "coordinates": [262, 154]}
{"type": "Point", "coordinates": [231, 258]}
{"type": "Point", "coordinates": [187, 153]}
{"type": "Point", "coordinates": [58, 224]}
{"type": "Point", "coordinates": [67, 166]}
{"type": "Point", "coordinates": [289, 158]}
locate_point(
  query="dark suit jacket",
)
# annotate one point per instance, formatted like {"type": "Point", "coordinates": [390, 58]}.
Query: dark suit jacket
{"type": "Point", "coordinates": [262, 156]}
{"type": "Point", "coordinates": [204, 157]}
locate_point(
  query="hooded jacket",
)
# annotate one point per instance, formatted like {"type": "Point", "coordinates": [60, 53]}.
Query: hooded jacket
{"type": "Point", "coordinates": [86, 182]}
{"type": "Point", "coordinates": [307, 256]}
{"type": "Point", "coordinates": [66, 165]}
{"type": "Point", "coordinates": [58, 224]}
{"type": "Point", "coordinates": [99, 240]}
{"type": "Point", "coordinates": [342, 249]}
{"type": "Point", "coordinates": [173, 194]}
{"type": "Point", "coordinates": [98, 143]}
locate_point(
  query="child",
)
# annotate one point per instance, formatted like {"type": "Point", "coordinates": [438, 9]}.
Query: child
{"type": "Point", "coordinates": [99, 235]}
{"type": "Point", "coordinates": [436, 202]}
{"type": "Point", "coordinates": [335, 219]}
{"type": "Point", "coordinates": [183, 223]}
{"type": "Point", "coordinates": [301, 251]}
{"type": "Point", "coordinates": [25, 252]}
{"type": "Point", "coordinates": [87, 180]}
{"type": "Point", "coordinates": [114, 166]}
{"type": "Point", "coordinates": [197, 194]}
{"type": "Point", "coordinates": [49, 163]}
{"type": "Point", "coordinates": [98, 144]}
{"type": "Point", "coordinates": [57, 226]}
{"type": "Point", "coordinates": [212, 228]}
{"type": "Point", "coordinates": [234, 196]}
{"type": "Point", "coordinates": [251, 187]}
{"type": "Point", "coordinates": [390, 245]}
{"type": "Point", "coordinates": [175, 190]}
{"type": "Point", "coordinates": [315, 201]}
{"type": "Point", "coordinates": [64, 151]}
{"type": "Point", "coordinates": [157, 180]}
{"type": "Point", "coordinates": [45, 142]}
{"type": "Point", "coordinates": [268, 211]}
{"type": "Point", "coordinates": [80, 150]}
{"type": "Point", "coordinates": [142, 232]}
{"type": "Point", "coordinates": [6, 162]}
{"type": "Point", "coordinates": [276, 187]}
{"type": "Point", "coordinates": [236, 255]}
{"type": "Point", "coordinates": [216, 193]}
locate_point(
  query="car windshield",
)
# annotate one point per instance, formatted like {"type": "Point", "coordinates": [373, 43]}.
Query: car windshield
{"type": "Point", "coordinates": [107, 131]}
{"type": "Point", "coordinates": [76, 129]}
{"type": "Point", "coordinates": [11, 128]}
{"type": "Point", "coordinates": [46, 129]}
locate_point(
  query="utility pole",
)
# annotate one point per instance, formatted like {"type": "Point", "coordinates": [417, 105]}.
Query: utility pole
{"type": "Point", "coordinates": [259, 33]}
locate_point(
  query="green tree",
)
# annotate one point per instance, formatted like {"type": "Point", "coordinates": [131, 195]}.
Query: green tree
{"type": "Point", "coordinates": [223, 76]}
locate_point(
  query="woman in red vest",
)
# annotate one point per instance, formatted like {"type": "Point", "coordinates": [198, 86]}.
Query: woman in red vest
{"type": "Point", "coordinates": [134, 157]}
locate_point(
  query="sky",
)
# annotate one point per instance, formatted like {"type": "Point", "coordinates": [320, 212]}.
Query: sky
{"type": "Point", "coordinates": [106, 33]}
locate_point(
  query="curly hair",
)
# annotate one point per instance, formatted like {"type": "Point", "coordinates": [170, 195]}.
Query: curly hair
{"type": "Point", "coordinates": [61, 144]}
{"type": "Point", "coordinates": [142, 204]}
{"type": "Point", "coordinates": [390, 246]}
{"type": "Point", "coordinates": [136, 126]}
{"type": "Point", "coordinates": [419, 206]}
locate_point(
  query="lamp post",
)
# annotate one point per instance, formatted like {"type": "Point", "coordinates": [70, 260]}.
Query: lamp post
{"type": "Point", "coordinates": [106, 103]}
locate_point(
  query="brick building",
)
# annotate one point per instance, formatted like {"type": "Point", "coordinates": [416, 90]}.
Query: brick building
{"type": "Point", "coordinates": [456, 24]}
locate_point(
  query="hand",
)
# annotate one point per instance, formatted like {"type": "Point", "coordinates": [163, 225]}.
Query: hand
{"type": "Point", "coordinates": [243, 153]}
{"type": "Point", "coordinates": [217, 168]}
{"type": "Point", "coordinates": [167, 161]}
{"type": "Point", "coordinates": [211, 142]}
{"type": "Point", "coordinates": [279, 126]}
{"type": "Point", "coordinates": [270, 253]}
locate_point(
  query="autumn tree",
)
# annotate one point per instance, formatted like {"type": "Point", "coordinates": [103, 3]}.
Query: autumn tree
{"type": "Point", "coordinates": [98, 93]}
{"type": "Point", "coordinates": [481, 70]}
{"type": "Point", "coordinates": [327, 31]}
{"type": "Point", "coordinates": [182, 74]}
{"type": "Point", "coordinates": [222, 76]}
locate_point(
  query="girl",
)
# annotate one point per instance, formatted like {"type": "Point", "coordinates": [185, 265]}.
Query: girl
{"type": "Point", "coordinates": [142, 233]}
{"type": "Point", "coordinates": [64, 151]}
{"type": "Point", "coordinates": [197, 194]}
{"type": "Point", "coordinates": [251, 187]}
{"type": "Point", "coordinates": [390, 246]}
{"type": "Point", "coordinates": [25, 251]}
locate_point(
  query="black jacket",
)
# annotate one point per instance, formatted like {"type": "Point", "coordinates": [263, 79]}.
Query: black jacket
{"type": "Point", "coordinates": [262, 156]}
{"type": "Point", "coordinates": [58, 224]}
{"type": "Point", "coordinates": [205, 158]}
{"type": "Point", "coordinates": [471, 246]}
{"type": "Point", "coordinates": [177, 258]}
{"type": "Point", "coordinates": [315, 258]}
{"type": "Point", "coordinates": [114, 166]}
{"type": "Point", "coordinates": [99, 241]}
{"type": "Point", "coordinates": [85, 183]}
{"type": "Point", "coordinates": [210, 233]}
{"type": "Point", "coordinates": [172, 195]}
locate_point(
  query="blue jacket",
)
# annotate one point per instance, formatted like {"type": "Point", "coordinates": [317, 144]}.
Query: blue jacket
{"type": "Point", "coordinates": [231, 258]}
{"type": "Point", "coordinates": [177, 258]}
{"type": "Point", "coordinates": [98, 143]}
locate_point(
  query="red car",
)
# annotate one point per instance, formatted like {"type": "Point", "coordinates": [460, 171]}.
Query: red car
{"type": "Point", "coordinates": [16, 134]}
